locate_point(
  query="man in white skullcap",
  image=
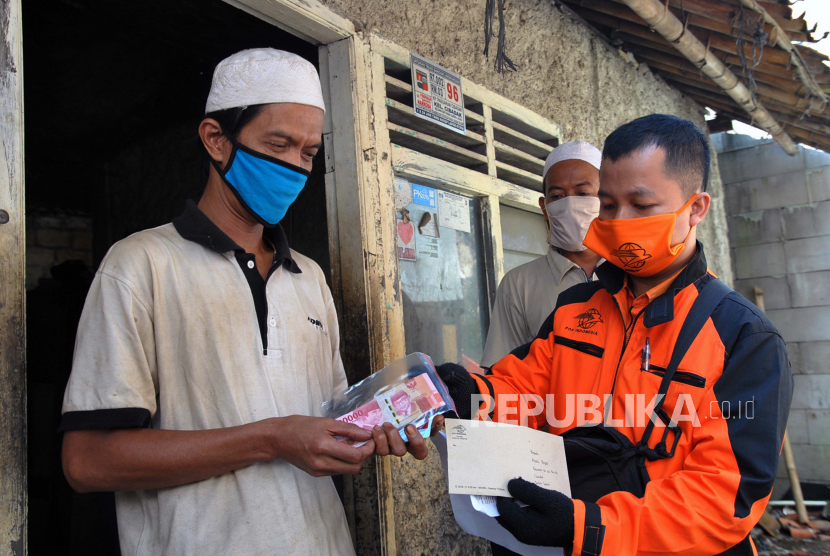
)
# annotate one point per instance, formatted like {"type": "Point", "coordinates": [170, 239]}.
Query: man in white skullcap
{"type": "Point", "coordinates": [527, 294]}
{"type": "Point", "coordinates": [207, 346]}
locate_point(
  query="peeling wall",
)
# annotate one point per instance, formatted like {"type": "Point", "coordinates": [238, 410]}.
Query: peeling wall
{"type": "Point", "coordinates": [569, 76]}
{"type": "Point", "coordinates": [566, 74]}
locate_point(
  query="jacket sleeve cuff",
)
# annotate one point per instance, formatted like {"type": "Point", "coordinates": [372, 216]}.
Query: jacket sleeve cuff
{"type": "Point", "coordinates": [485, 388]}
{"type": "Point", "coordinates": [589, 532]}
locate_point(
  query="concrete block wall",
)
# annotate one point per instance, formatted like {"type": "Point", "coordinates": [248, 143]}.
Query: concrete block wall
{"type": "Point", "coordinates": [778, 208]}
{"type": "Point", "coordinates": [53, 237]}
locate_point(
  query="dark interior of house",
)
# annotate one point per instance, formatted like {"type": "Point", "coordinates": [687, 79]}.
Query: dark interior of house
{"type": "Point", "coordinates": [114, 92]}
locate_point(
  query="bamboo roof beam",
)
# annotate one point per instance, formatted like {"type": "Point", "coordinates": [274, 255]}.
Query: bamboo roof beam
{"type": "Point", "coordinates": [658, 43]}
{"type": "Point", "coordinates": [783, 42]}
{"type": "Point", "coordinates": [787, 85]}
{"type": "Point", "coordinates": [715, 40]}
{"type": "Point", "coordinates": [667, 24]}
{"type": "Point", "coordinates": [624, 12]}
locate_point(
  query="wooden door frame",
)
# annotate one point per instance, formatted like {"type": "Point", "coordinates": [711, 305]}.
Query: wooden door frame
{"type": "Point", "coordinates": [13, 495]}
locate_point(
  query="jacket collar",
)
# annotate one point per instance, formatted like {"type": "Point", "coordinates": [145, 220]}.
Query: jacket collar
{"type": "Point", "coordinates": [194, 225]}
{"type": "Point", "coordinates": [661, 309]}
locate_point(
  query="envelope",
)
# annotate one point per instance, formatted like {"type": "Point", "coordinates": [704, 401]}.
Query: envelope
{"type": "Point", "coordinates": [483, 456]}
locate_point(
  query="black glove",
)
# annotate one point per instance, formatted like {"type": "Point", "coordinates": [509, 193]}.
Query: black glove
{"type": "Point", "coordinates": [548, 520]}
{"type": "Point", "coordinates": [460, 385]}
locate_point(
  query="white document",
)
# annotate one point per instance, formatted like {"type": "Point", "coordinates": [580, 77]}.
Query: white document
{"type": "Point", "coordinates": [453, 211]}
{"type": "Point", "coordinates": [476, 523]}
{"type": "Point", "coordinates": [484, 456]}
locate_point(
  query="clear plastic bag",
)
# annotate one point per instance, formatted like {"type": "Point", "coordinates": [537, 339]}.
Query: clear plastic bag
{"type": "Point", "coordinates": [407, 391]}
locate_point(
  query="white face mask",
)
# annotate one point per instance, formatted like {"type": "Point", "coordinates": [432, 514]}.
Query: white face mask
{"type": "Point", "coordinates": [569, 220]}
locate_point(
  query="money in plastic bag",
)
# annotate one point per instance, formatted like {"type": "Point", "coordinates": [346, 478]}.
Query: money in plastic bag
{"type": "Point", "coordinates": [407, 391]}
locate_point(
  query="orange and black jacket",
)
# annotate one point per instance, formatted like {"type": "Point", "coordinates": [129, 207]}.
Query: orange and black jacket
{"type": "Point", "coordinates": [707, 497]}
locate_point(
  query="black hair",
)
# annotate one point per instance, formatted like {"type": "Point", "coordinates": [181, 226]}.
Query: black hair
{"type": "Point", "coordinates": [687, 150]}
{"type": "Point", "coordinates": [232, 121]}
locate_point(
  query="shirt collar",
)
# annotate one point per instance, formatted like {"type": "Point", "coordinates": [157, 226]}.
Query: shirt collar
{"type": "Point", "coordinates": [660, 308]}
{"type": "Point", "coordinates": [194, 225]}
{"type": "Point", "coordinates": [559, 264]}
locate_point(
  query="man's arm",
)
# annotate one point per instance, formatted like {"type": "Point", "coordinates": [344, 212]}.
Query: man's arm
{"type": "Point", "coordinates": [139, 459]}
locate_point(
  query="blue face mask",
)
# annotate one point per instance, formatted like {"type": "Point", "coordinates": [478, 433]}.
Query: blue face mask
{"type": "Point", "coordinates": [266, 186]}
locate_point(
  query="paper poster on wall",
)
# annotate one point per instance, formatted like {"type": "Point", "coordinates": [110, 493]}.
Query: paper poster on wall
{"type": "Point", "coordinates": [437, 94]}
{"type": "Point", "coordinates": [406, 237]}
{"type": "Point", "coordinates": [423, 195]}
{"type": "Point", "coordinates": [453, 211]}
{"type": "Point", "coordinates": [429, 248]}
{"type": "Point", "coordinates": [403, 193]}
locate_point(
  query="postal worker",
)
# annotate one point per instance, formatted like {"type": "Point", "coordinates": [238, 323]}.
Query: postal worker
{"type": "Point", "coordinates": [699, 484]}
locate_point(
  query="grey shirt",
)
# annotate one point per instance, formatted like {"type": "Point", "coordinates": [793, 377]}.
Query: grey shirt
{"type": "Point", "coordinates": [525, 298]}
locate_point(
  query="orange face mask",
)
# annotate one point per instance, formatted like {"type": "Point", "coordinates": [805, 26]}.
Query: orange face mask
{"type": "Point", "coordinates": [640, 246]}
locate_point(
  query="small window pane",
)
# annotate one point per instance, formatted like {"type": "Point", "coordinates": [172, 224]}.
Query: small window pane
{"type": "Point", "coordinates": [444, 292]}
{"type": "Point", "coordinates": [524, 236]}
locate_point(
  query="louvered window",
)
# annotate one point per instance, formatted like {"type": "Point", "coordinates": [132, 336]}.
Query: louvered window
{"type": "Point", "coordinates": [517, 140]}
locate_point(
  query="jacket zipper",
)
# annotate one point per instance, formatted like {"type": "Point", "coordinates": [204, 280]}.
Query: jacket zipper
{"type": "Point", "coordinates": [679, 376]}
{"type": "Point", "coordinates": [625, 344]}
{"type": "Point", "coordinates": [584, 347]}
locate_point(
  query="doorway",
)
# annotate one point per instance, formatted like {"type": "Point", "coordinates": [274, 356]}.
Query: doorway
{"type": "Point", "coordinates": [114, 91]}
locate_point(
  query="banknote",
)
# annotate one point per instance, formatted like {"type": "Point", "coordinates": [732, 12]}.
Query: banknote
{"type": "Point", "coordinates": [400, 404]}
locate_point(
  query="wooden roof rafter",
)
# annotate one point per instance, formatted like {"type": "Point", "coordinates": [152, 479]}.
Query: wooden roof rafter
{"type": "Point", "coordinates": [699, 42]}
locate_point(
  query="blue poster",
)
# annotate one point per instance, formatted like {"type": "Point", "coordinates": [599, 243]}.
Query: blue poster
{"type": "Point", "coordinates": [422, 195]}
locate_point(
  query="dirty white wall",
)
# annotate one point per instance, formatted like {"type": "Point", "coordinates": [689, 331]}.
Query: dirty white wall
{"type": "Point", "coordinates": [570, 76]}
{"type": "Point", "coordinates": [565, 73]}
{"type": "Point", "coordinates": [779, 226]}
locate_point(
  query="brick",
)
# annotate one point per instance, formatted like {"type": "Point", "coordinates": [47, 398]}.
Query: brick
{"type": "Point", "coordinates": [49, 222]}
{"type": "Point", "coordinates": [752, 228]}
{"type": "Point", "coordinates": [813, 462]}
{"type": "Point", "coordinates": [757, 162]}
{"type": "Point", "coordinates": [728, 142]}
{"type": "Point", "coordinates": [40, 256]}
{"type": "Point", "coordinates": [808, 254]}
{"type": "Point", "coordinates": [53, 238]}
{"type": "Point", "coordinates": [776, 291]}
{"type": "Point", "coordinates": [815, 159]}
{"type": "Point", "coordinates": [810, 288]}
{"type": "Point", "coordinates": [78, 223]}
{"type": "Point", "coordinates": [811, 392]}
{"type": "Point", "coordinates": [794, 354]}
{"type": "Point", "coordinates": [797, 426]}
{"type": "Point", "coordinates": [33, 276]}
{"type": "Point", "coordinates": [82, 240]}
{"type": "Point", "coordinates": [767, 193]}
{"type": "Point", "coordinates": [814, 357]}
{"type": "Point", "coordinates": [63, 255]}
{"type": "Point", "coordinates": [818, 180]}
{"type": "Point", "coordinates": [760, 260]}
{"type": "Point", "coordinates": [806, 221]}
{"type": "Point", "coordinates": [802, 324]}
{"type": "Point", "coordinates": [818, 423]}
{"type": "Point", "coordinates": [781, 484]}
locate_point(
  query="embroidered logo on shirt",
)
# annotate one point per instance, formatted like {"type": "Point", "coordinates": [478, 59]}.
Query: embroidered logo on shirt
{"type": "Point", "coordinates": [316, 323]}
{"type": "Point", "coordinates": [632, 256]}
{"type": "Point", "coordinates": [588, 319]}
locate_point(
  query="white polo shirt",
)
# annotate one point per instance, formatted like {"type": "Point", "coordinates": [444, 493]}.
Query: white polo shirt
{"type": "Point", "coordinates": [180, 331]}
{"type": "Point", "coordinates": [525, 298]}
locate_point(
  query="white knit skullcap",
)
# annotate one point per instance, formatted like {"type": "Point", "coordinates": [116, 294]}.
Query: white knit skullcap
{"type": "Point", "coordinates": [574, 150]}
{"type": "Point", "coordinates": [264, 76]}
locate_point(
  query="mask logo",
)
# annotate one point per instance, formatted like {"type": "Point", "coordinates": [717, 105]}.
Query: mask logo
{"type": "Point", "coordinates": [588, 319]}
{"type": "Point", "coordinates": [632, 256]}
